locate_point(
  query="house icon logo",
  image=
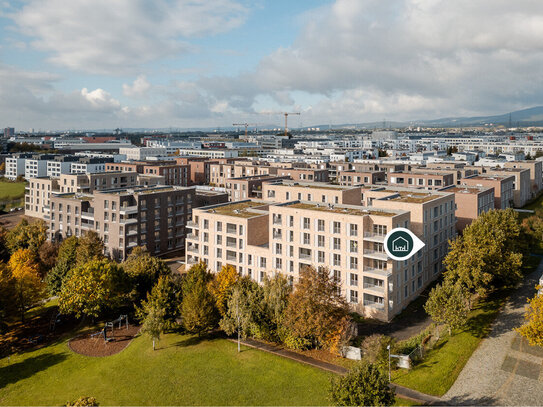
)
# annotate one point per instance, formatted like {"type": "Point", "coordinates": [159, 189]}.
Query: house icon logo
{"type": "Point", "coordinates": [401, 244]}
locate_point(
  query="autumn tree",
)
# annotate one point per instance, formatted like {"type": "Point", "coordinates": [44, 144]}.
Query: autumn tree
{"type": "Point", "coordinates": [198, 310]}
{"type": "Point", "coordinates": [375, 349]}
{"type": "Point", "coordinates": [448, 304]}
{"type": "Point", "coordinates": [66, 261]}
{"type": "Point", "coordinates": [221, 286]}
{"type": "Point", "coordinates": [28, 286]}
{"type": "Point", "coordinates": [26, 236]}
{"type": "Point", "coordinates": [90, 247]}
{"type": "Point", "coordinates": [4, 251]}
{"type": "Point", "coordinates": [532, 330]}
{"type": "Point", "coordinates": [47, 255]}
{"type": "Point", "coordinates": [488, 254]}
{"type": "Point", "coordinates": [7, 295]}
{"type": "Point", "coordinates": [317, 314]}
{"type": "Point", "coordinates": [364, 385]}
{"type": "Point", "coordinates": [533, 227]}
{"type": "Point", "coordinates": [276, 291]}
{"type": "Point", "coordinates": [92, 288]}
{"type": "Point", "coordinates": [144, 271]}
{"type": "Point", "coordinates": [153, 321]}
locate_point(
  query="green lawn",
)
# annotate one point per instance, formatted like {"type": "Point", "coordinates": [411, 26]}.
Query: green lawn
{"type": "Point", "coordinates": [184, 371]}
{"type": "Point", "coordinates": [11, 190]}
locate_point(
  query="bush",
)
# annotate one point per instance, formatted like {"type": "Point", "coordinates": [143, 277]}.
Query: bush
{"type": "Point", "coordinates": [83, 401]}
{"type": "Point", "coordinates": [365, 385]}
{"type": "Point", "coordinates": [374, 349]}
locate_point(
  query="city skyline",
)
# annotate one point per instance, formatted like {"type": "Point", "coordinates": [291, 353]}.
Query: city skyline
{"type": "Point", "coordinates": [195, 64]}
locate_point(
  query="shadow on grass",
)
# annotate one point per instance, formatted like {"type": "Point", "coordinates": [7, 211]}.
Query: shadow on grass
{"type": "Point", "coordinates": [196, 339]}
{"type": "Point", "coordinates": [29, 367]}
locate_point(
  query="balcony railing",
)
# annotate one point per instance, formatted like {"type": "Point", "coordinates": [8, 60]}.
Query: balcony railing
{"type": "Point", "coordinates": [192, 225]}
{"type": "Point", "coordinates": [375, 287]}
{"type": "Point", "coordinates": [375, 254]}
{"type": "Point", "coordinates": [374, 304]}
{"type": "Point", "coordinates": [192, 248]}
{"type": "Point", "coordinates": [305, 256]}
{"type": "Point", "coordinates": [374, 237]}
{"type": "Point", "coordinates": [192, 236]}
{"type": "Point", "coordinates": [125, 210]}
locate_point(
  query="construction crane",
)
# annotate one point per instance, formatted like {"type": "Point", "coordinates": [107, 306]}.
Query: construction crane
{"type": "Point", "coordinates": [246, 125]}
{"type": "Point", "coordinates": [286, 116]}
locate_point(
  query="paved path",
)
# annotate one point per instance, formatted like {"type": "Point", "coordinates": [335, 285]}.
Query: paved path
{"type": "Point", "coordinates": [276, 350]}
{"type": "Point", "coordinates": [504, 369]}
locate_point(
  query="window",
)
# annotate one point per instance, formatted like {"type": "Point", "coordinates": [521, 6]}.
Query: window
{"type": "Point", "coordinates": [263, 262]}
{"type": "Point", "coordinates": [320, 241]}
{"type": "Point", "coordinates": [307, 239]}
{"type": "Point", "coordinates": [337, 260]}
{"type": "Point", "coordinates": [219, 239]}
{"type": "Point", "coordinates": [354, 297]}
{"type": "Point", "coordinates": [353, 246]}
{"type": "Point", "coordinates": [337, 227]}
{"type": "Point", "coordinates": [337, 243]}
{"type": "Point", "coordinates": [320, 257]}
{"type": "Point", "coordinates": [353, 279]}
{"type": "Point", "coordinates": [278, 263]}
{"type": "Point", "coordinates": [307, 223]}
{"type": "Point", "coordinates": [353, 263]}
{"type": "Point", "coordinates": [353, 230]}
{"type": "Point", "coordinates": [219, 252]}
{"type": "Point", "coordinates": [320, 225]}
{"type": "Point", "coordinates": [219, 226]}
{"type": "Point", "coordinates": [278, 248]}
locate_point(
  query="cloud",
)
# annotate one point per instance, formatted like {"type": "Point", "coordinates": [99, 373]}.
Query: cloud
{"type": "Point", "coordinates": [139, 88]}
{"type": "Point", "coordinates": [112, 37]}
{"type": "Point", "coordinates": [404, 58]}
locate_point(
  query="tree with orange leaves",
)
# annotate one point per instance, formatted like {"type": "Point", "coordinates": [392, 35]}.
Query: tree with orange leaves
{"type": "Point", "coordinates": [28, 285]}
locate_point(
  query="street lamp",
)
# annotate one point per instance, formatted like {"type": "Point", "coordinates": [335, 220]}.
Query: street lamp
{"type": "Point", "coordinates": [388, 347]}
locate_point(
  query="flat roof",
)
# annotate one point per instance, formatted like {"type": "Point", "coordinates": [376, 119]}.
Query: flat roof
{"type": "Point", "coordinates": [343, 209]}
{"type": "Point", "coordinates": [415, 197]}
{"type": "Point", "coordinates": [468, 189]}
{"type": "Point", "coordinates": [313, 185]}
{"type": "Point", "coordinates": [238, 209]}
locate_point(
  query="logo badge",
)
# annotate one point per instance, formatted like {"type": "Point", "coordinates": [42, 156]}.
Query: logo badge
{"type": "Point", "coordinates": [401, 244]}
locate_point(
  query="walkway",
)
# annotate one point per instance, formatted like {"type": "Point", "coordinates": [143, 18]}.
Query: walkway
{"type": "Point", "coordinates": [504, 369]}
{"type": "Point", "coordinates": [276, 350]}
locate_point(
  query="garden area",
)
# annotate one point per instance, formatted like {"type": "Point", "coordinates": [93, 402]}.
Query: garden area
{"type": "Point", "coordinates": [11, 194]}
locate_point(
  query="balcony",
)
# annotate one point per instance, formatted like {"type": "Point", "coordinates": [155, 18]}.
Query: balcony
{"type": "Point", "coordinates": [232, 258]}
{"type": "Point", "coordinates": [132, 232]}
{"type": "Point", "coordinates": [192, 260]}
{"type": "Point", "coordinates": [192, 236]}
{"type": "Point", "coordinates": [374, 254]}
{"type": "Point", "coordinates": [192, 225]}
{"type": "Point", "coordinates": [133, 243]}
{"type": "Point", "coordinates": [87, 215]}
{"type": "Point", "coordinates": [374, 237]}
{"type": "Point", "coordinates": [304, 256]}
{"type": "Point", "coordinates": [192, 248]}
{"type": "Point", "coordinates": [277, 221]}
{"type": "Point", "coordinates": [379, 289]}
{"type": "Point", "coordinates": [128, 221]}
{"type": "Point", "coordinates": [373, 304]}
{"type": "Point", "coordinates": [233, 245]}
{"type": "Point", "coordinates": [127, 210]}
{"type": "Point", "coordinates": [376, 272]}
{"type": "Point", "coordinates": [277, 235]}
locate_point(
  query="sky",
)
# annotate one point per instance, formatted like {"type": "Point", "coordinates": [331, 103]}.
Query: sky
{"type": "Point", "coordinates": [94, 64]}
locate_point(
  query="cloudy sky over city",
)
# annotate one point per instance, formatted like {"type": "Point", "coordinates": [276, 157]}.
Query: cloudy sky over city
{"type": "Point", "coordinates": [177, 63]}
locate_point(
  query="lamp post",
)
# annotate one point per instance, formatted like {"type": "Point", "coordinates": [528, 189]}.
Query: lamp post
{"type": "Point", "coordinates": [388, 347]}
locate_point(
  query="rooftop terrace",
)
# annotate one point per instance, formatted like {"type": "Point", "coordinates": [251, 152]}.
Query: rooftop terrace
{"type": "Point", "coordinates": [343, 209]}
{"type": "Point", "coordinates": [238, 209]}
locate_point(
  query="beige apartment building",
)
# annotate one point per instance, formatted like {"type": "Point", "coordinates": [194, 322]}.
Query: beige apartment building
{"type": "Point", "coordinates": [353, 177]}
{"type": "Point", "coordinates": [261, 238]}
{"type": "Point", "coordinates": [243, 188]}
{"type": "Point", "coordinates": [459, 170]}
{"type": "Point", "coordinates": [427, 179]}
{"type": "Point", "coordinates": [220, 173]}
{"type": "Point", "coordinates": [38, 191]}
{"type": "Point", "coordinates": [288, 190]}
{"type": "Point", "coordinates": [521, 186]}
{"type": "Point", "coordinates": [503, 186]}
{"type": "Point", "coordinates": [304, 174]}
{"type": "Point", "coordinates": [153, 217]}
{"type": "Point", "coordinates": [471, 202]}
{"type": "Point", "coordinates": [536, 174]}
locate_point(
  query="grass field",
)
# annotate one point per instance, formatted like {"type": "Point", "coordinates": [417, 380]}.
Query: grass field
{"type": "Point", "coordinates": [11, 190]}
{"type": "Point", "coordinates": [446, 360]}
{"type": "Point", "coordinates": [184, 371]}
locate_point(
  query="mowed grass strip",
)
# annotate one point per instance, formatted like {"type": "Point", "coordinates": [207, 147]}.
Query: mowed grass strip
{"type": "Point", "coordinates": [11, 190]}
{"type": "Point", "coordinates": [185, 370]}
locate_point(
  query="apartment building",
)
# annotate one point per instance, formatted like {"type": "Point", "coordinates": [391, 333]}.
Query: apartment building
{"type": "Point", "coordinates": [87, 165]}
{"type": "Point", "coordinates": [353, 177]}
{"type": "Point", "coordinates": [199, 169]}
{"type": "Point", "coordinates": [174, 174]}
{"type": "Point", "coordinates": [286, 190]}
{"type": "Point", "coordinates": [304, 174]}
{"type": "Point", "coordinates": [243, 188]}
{"type": "Point", "coordinates": [38, 191]}
{"type": "Point", "coordinates": [59, 165]}
{"type": "Point", "coordinates": [221, 172]}
{"type": "Point", "coordinates": [153, 217]}
{"type": "Point", "coordinates": [260, 238]}
{"type": "Point", "coordinates": [458, 171]}
{"type": "Point", "coordinates": [503, 186]}
{"type": "Point", "coordinates": [521, 186]}
{"type": "Point", "coordinates": [536, 174]}
{"type": "Point", "coordinates": [471, 202]}
{"type": "Point", "coordinates": [15, 166]}
{"type": "Point", "coordinates": [427, 180]}
{"type": "Point", "coordinates": [142, 153]}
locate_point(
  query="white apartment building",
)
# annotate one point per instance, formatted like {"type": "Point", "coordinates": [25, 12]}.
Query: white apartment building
{"type": "Point", "coordinates": [141, 153]}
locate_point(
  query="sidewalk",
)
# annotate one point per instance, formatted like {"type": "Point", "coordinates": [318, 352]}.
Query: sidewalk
{"type": "Point", "coordinates": [276, 350]}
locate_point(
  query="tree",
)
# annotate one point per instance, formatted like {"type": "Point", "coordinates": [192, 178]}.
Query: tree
{"type": "Point", "coordinates": [144, 271]}
{"type": "Point", "coordinates": [533, 228]}
{"type": "Point", "coordinates": [47, 254]}
{"type": "Point", "coordinates": [154, 322]}
{"type": "Point", "coordinates": [66, 260]}
{"type": "Point", "coordinates": [244, 312]}
{"type": "Point", "coordinates": [166, 295]}
{"type": "Point", "coordinates": [83, 401]}
{"type": "Point", "coordinates": [92, 288]}
{"type": "Point", "coordinates": [27, 236]}
{"type": "Point", "coordinates": [4, 251]}
{"type": "Point", "coordinates": [488, 255]}
{"type": "Point", "coordinates": [198, 309]}
{"type": "Point", "coordinates": [448, 304]}
{"type": "Point", "coordinates": [375, 350]}
{"type": "Point", "coordinates": [221, 286]}
{"type": "Point", "coordinates": [276, 292]}
{"type": "Point", "coordinates": [533, 328]}
{"type": "Point", "coordinates": [317, 314]}
{"type": "Point", "coordinates": [7, 295]}
{"type": "Point", "coordinates": [90, 247]}
{"type": "Point", "coordinates": [364, 385]}
{"type": "Point", "coordinates": [28, 287]}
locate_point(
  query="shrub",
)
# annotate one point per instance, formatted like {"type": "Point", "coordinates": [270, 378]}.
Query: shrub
{"type": "Point", "coordinates": [83, 401]}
